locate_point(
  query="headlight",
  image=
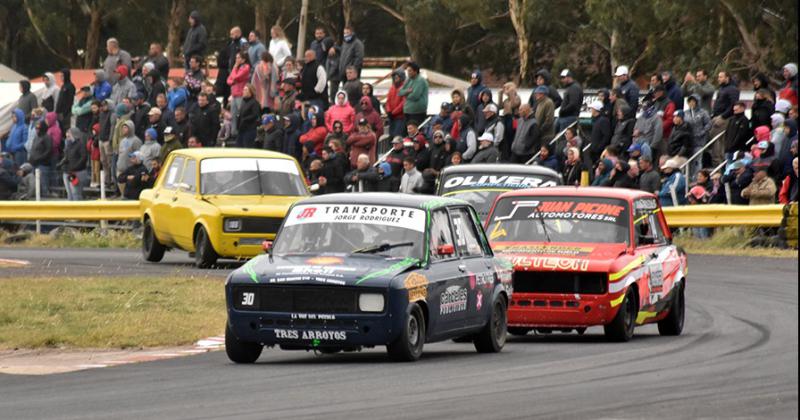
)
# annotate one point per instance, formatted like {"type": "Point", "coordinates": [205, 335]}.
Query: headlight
{"type": "Point", "coordinates": [232, 225]}
{"type": "Point", "coordinates": [370, 302]}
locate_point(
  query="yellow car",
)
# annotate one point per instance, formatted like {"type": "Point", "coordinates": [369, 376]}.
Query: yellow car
{"type": "Point", "coordinates": [218, 202]}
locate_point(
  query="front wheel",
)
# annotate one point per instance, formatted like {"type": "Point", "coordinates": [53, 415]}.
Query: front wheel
{"type": "Point", "coordinates": [152, 250]}
{"type": "Point", "coordinates": [673, 323]}
{"type": "Point", "coordinates": [492, 337]}
{"type": "Point", "coordinates": [240, 351]}
{"type": "Point", "coordinates": [408, 346]}
{"type": "Point", "coordinates": [204, 254]}
{"type": "Point", "coordinates": [620, 329]}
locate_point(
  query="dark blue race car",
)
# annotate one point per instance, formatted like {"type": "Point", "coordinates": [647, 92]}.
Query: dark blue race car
{"type": "Point", "coordinates": [348, 271]}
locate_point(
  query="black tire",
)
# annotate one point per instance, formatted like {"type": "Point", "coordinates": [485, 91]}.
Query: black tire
{"type": "Point", "coordinates": [519, 331]}
{"type": "Point", "coordinates": [408, 346]}
{"type": "Point", "coordinates": [204, 254]}
{"type": "Point", "coordinates": [673, 323]}
{"type": "Point", "coordinates": [620, 329]}
{"type": "Point", "coordinates": [240, 351]}
{"type": "Point", "coordinates": [492, 337]}
{"type": "Point", "coordinates": [152, 250]}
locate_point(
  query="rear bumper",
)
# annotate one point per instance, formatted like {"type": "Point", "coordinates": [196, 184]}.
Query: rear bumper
{"type": "Point", "coordinates": [560, 310]}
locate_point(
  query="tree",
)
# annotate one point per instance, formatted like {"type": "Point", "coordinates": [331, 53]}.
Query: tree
{"type": "Point", "coordinates": [178, 14]}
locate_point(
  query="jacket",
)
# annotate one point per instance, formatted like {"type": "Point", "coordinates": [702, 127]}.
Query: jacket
{"type": "Point", "coordinates": [66, 96]}
{"type": "Point", "coordinates": [359, 143]}
{"type": "Point", "coordinates": [698, 119]}
{"type": "Point", "coordinates": [272, 139]}
{"type": "Point", "coordinates": [410, 181]}
{"type": "Point", "coordinates": [237, 78]}
{"type": "Point", "coordinates": [316, 135]}
{"type": "Point", "coordinates": [177, 97]}
{"type": "Point", "coordinates": [573, 100]}
{"type": "Point", "coordinates": [394, 102]}
{"type": "Point", "coordinates": [681, 141]}
{"type": "Point", "coordinates": [123, 89]}
{"type": "Point", "coordinates": [75, 154]}
{"type": "Point", "coordinates": [41, 150]}
{"type": "Point", "coordinates": [371, 115]}
{"type": "Point", "coordinates": [667, 109]}
{"type": "Point", "coordinates": [526, 138]}
{"type": "Point", "coordinates": [650, 181]}
{"type": "Point", "coordinates": [737, 133]}
{"type": "Point", "coordinates": [623, 131]}
{"type": "Point", "coordinates": [127, 145]}
{"type": "Point", "coordinates": [486, 155]}
{"type": "Point", "coordinates": [705, 92]}
{"type": "Point", "coordinates": [171, 142]}
{"type": "Point", "coordinates": [674, 92]}
{"type": "Point", "coordinates": [760, 192]}
{"type": "Point", "coordinates": [415, 91]}
{"type": "Point", "coordinates": [552, 92]}
{"type": "Point", "coordinates": [474, 91]}
{"type": "Point", "coordinates": [601, 136]}
{"type": "Point", "coordinates": [54, 131]}
{"type": "Point", "coordinates": [365, 180]}
{"type": "Point", "coordinates": [352, 55]}
{"type": "Point", "coordinates": [150, 151]}
{"type": "Point", "coordinates": [249, 114]}
{"type": "Point", "coordinates": [342, 113]}
{"type": "Point", "coordinates": [133, 187]}
{"type": "Point", "coordinates": [196, 38]}
{"type": "Point", "coordinates": [675, 182]}
{"type": "Point", "coordinates": [727, 95]}
{"type": "Point", "coordinates": [18, 134]}
{"type": "Point", "coordinates": [760, 113]}
{"type": "Point", "coordinates": [630, 93]}
{"type": "Point", "coordinates": [204, 123]}
{"type": "Point", "coordinates": [545, 118]}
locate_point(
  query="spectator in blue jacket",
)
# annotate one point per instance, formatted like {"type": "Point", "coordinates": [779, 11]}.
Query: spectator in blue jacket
{"type": "Point", "coordinates": [674, 92]}
{"type": "Point", "coordinates": [475, 89]}
{"type": "Point", "coordinates": [630, 91]}
{"type": "Point", "coordinates": [18, 137]}
{"type": "Point", "coordinates": [674, 185]}
{"type": "Point", "coordinates": [101, 88]}
{"type": "Point", "coordinates": [177, 95]}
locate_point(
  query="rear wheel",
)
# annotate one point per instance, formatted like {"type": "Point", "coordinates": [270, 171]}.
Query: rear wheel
{"type": "Point", "coordinates": [518, 331]}
{"type": "Point", "coordinates": [673, 323]}
{"type": "Point", "coordinates": [492, 337]}
{"type": "Point", "coordinates": [204, 254]}
{"type": "Point", "coordinates": [152, 250]}
{"type": "Point", "coordinates": [620, 329]}
{"type": "Point", "coordinates": [408, 346]}
{"type": "Point", "coordinates": [240, 351]}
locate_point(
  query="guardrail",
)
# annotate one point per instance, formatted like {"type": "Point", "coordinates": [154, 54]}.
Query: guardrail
{"type": "Point", "coordinates": [712, 215]}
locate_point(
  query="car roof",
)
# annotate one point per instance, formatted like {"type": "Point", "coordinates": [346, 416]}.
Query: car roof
{"type": "Point", "coordinates": [485, 168]}
{"type": "Point", "coordinates": [420, 201]}
{"type": "Point", "coordinates": [604, 192]}
{"type": "Point", "coordinates": [229, 152]}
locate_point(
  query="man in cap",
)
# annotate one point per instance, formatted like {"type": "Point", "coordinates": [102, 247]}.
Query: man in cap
{"type": "Point", "coordinates": [761, 190]}
{"type": "Point", "coordinates": [270, 134]}
{"type": "Point", "coordinates": [679, 145]}
{"type": "Point", "coordinates": [572, 102]}
{"type": "Point", "coordinates": [544, 113]}
{"type": "Point", "coordinates": [674, 186]}
{"type": "Point", "coordinates": [601, 131]}
{"type": "Point", "coordinates": [629, 90]}
{"type": "Point", "coordinates": [494, 125]}
{"type": "Point", "coordinates": [156, 122]}
{"type": "Point", "coordinates": [171, 142]}
{"type": "Point", "coordinates": [124, 88]}
{"type": "Point", "coordinates": [487, 152]}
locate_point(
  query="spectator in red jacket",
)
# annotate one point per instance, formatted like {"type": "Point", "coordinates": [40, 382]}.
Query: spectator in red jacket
{"type": "Point", "coordinates": [789, 90]}
{"type": "Point", "coordinates": [394, 104]}
{"type": "Point", "coordinates": [789, 188]}
{"type": "Point", "coordinates": [371, 115]}
{"type": "Point", "coordinates": [316, 135]}
{"type": "Point", "coordinates": [341, 111]}
{"type": "Point", "coordinates": [362, 141]}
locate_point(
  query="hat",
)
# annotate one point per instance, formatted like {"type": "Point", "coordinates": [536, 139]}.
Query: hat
{"type": "Point", "coordinates": [670, 164]}
{"type": "Point", "coordinates": [438, 133]}
{"type": "Point", "coordinates": [122, 70]}
{"type": "Point", "coordinates": [596, 105]}
{"type": "Point", "coordinates": [763, 144]}
{"type": "Point", "coordinates": [154, 111]}
{"type": "Point", "coordinates": [135, 96]}
{"type": "Point", "coordinates": [269, 118]}
{"type": "Point", "coordinates": [447, 105]}
{"type": "Point", "coordinates": [363, 121]}
{"type": "Point", "coordinates": [678, 113]}
{"type": "Point", "coordinates": [149, 66]}
{"type": "Point", "coordinates": [486, 137]}
{"type": "Point", "coordinates": [151, 132]}
{"type": "Point", "coordinates": [26, 168]}
{"type": "Point", "coordinates": [792, 68]}
{"type": "Point", "coordinates": [168, 130]}
{"type": "Point", "coordinates": [635, 147]}
{"type": "Point", "coordinates": [490, 108]}
{"type": "Point", "coordinates": [137, 154]}
{"type": "Point", "coordinates": [777, 119]}
{"type": "Point", "coordinates": [397, 140]}
{"type": "Point", "coordinates": [621, 71]}
{"type": "Point", "coordinates": [121, 110]}
{"type": "Point", "coordinates": [698, 192]}
{"type": "Point", "coordinates": [565, 73]}
{"type": "Point", "coordinates": [783, 106]}
{"type": "Point", "coordinates": [541, 89]}
{"type": "Point", "coordinates": [387, 169]}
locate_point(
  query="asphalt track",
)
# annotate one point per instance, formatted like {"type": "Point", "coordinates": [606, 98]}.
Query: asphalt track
{"type": "Point", "coordinates": [738, 358]}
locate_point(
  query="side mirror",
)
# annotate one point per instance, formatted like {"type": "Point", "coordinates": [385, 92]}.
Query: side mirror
{"type": "Point", "coordinates": [447, 249]}
{"type": "Point", "coordinates": [267, 246]}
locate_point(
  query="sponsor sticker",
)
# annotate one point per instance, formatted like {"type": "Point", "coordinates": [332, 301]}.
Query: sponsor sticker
{"type": "Point", "coordinates": [403, 217]}
{"type": "Point", "coordinates": [645, 204]}
{"type": "Point", "coordinates": [479, 301]}
{"type": "Point", "coordinates": [452, 300]}
{"type": "Point", "coordinates": [417, 286]}
{"type": "Point", "coordinates": [545, 249]}
{"type": "Point", "coordinates": [567, 210]}
{"type": "Point", "coordinates": [550, 263]}
{"type": "Point", "coordinates": [329, 335]}
{"type": "Point", "coordinates": [325, 260]}
{"type": "Point", "coordinates": [496, 181]}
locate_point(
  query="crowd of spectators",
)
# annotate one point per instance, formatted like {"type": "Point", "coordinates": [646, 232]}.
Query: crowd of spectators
{"type": "Point", "coordinates": [318, 110]}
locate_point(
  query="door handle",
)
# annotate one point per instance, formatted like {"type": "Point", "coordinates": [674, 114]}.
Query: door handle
{"type": "Point", "coordinates": [462, 268]}
{"type": "Point", "coordinates": [174, 198]}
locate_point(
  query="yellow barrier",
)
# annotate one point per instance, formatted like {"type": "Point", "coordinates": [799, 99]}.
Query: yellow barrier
{"type": "Point", "coordinates": [719, 215]}
{"type": "Point", "coordinates": [70, 210]}
{"type": "Point", "coordinates": [716, 215]}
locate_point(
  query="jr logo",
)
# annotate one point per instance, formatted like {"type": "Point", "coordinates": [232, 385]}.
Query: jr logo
{"type": "Point", "coordinates": [307, 212]}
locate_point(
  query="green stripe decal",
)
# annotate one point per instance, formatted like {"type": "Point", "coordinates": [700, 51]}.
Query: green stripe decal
{"type": "Point", "coordinates": [398, 266]}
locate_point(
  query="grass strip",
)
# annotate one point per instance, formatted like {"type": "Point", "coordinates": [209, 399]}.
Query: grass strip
{"type": "Point", "coordinates": [119, 312]}
{"type": "Point", "coordinates": [731, 242]}
{"type": "Point", "coordinates": [77, 238]}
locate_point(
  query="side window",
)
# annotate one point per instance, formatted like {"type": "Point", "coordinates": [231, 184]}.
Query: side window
{"type": "Point", "coordinates": [655, 227]}
{"type": "Point", "coordinates": [190, 175]}
{"type": "Point", "coordinates": [646, 223]}
{"type": "Point", "coordinates": [467, 242]}
{"type": "Point", "coordinates": [440, 234]}
{"type": "Point", "coordinates": [174, 173]}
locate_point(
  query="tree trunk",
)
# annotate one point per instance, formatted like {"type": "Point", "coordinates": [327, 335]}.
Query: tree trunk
{"type": "Point", "coordinates": [177, 15]}
{"type": "Point", "coordinates": [516, 9]}
{"type": "Point", "coordinates": [612, 52]}
{"type": "Point", "coordinates": [91, 58]}
{"type": "Point", "coordinates": [347, 11]}
{"type": "Point", "coordinates": [261, 19]}
{"type": "Point", "coordinates": [301, 29]}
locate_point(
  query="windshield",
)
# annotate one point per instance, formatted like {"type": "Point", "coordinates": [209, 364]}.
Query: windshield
{"type": "Point", "coordinates": [250, 176]}
{"type": "Point", "coordinates": [394, 232]}
{"type": "Point", "coordinates": [480, 190]}
{"type": "Point", "coordinates": [559, 219]}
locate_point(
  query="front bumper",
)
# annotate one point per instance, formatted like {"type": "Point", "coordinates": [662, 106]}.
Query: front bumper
{"type": "Point", "coordinates": [560, 310]}
{"type": "Point", "coordinates": [241, 245]}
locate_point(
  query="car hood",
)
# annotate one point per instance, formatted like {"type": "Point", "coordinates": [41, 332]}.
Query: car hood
{"type": "Point", "coordinates": [540, 256]}
{"type": "Point", "coordinates": [252, 205]}
{"type": "Point", "coordinates": [334, 269]}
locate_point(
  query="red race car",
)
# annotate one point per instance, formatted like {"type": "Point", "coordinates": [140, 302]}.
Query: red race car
{"type": "Point", "coordinates": [588, 257]}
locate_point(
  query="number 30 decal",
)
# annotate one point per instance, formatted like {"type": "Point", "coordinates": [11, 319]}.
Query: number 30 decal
{"type": "Point", "coordinates": [248, 298]}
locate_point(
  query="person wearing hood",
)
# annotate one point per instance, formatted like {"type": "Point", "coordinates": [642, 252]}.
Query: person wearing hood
{"type": "Point", "coordinates": [573, 100]}
{"type": "Point", "coordinates": [762, 108]}
{"type": "Point", "coordinates": [76, 157]}
{"type": "Point", "coordinates": [415, 91]}
{"type": "Point", "coordinates": [681, 140]}
{"type": "Point", "coordinates": [699, 85]}
{"type": "Point", "coordinates": [291, 127]}
{"type": "Point", "coordinates": [27, 101]}
{"type": "Point", "coordinates": [362, 142]}
{"type": "Point", "coordinates": [624, 175]}
{"type": "Point", "coordinates": [440, 153]}
{"type": "Point", "coordinates": [116, 57]}
{"type": "Point", "coordinates": [55, 133]}
{"type": "Point", "coordinates": [101, 88]}
{"type": "Point", "coordinates": [543, 78]}
{"type": "Point", "coordinates": [647, 130]}
{"type": "Point", "coordinates": [35, 116]}
{"type": "Point", "coordinates": [124, 88]}
{"type": "Point", "coordinates": [66, 96]}
{"type": "Point", "coordinates": [370, 114]}
{"type": "Point", "coordinates": [623, 129]}
{"type": "Point", "coordinates": [17, 137]}
{"type": "Point", "coordinates": [135, 178]}
{"type": "Point", "coordinates": [128, 144]}
{"type": "Point", "coordinates": [196, 38]}
{"type": "Point", "coordinates": [573, 167]}
{"type": "Point", "coordinates": [487, 152]}
{"type": "Point", "coordinates": [50, 94]}
{"type": "Point", "coordinates": [700, 122]}
{"type": "Point", "coordinates": [476, 87]}
{"type": "Point", "coordinates": [150, 150]}
{"type": "Point", "coordinates": [602, 172]}
{"type": "Point", "coordinates": [394, 104]}
{"type": "Point", "coordinates": [352, 51]}
{"type": "Point", "coordinates": [674, 92]}
{"type": "Point", "coordinates": [26, 186]}
{"type": "Point", "coordinates": [789, 89]}
{"type": "Point", "coordinates": [122, 114]}
{"type": "Point", "coordinates": [40, 155]}
{"type": "Point", "coordinates": [341, 111]}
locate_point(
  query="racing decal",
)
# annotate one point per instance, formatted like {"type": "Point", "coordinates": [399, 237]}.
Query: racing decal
{"type": "Point", "coordinates": [248, 268]}
{"type": "Point", "coordinates": [643, 316]}
{"type": "Point", "coordinates": [319, 273]}
{"type": "Point", "coordinates": [403, 217]}
{"type": "Point", "coordinates": [545, 249]}
{"type": "Point", "coordinates": [485, 279]}
{"type": "Point", "coordinates": [496, 181]}
{"type": "Point", "coordinates": [324, 260]}
{"type": "Point", "coordinates": [328, 317]}
{"type": "Point", "coordinates": [627, 269]}
{"type": "Point", "coordinates": [479, 301]}
{"type": "Point", "coordinates": [417, 286]}
{"type": "Point", "coordinates": [656, 281]}
{"type": "Point", "coordinates": [398, 266]}
{"type": "Point", "coordinates": [452, 300]}
{"type": "Point", "coordinates": [562, 209]}
{"type": "Point", "coordinates": [645, 204]}
{"type": "Point", "coordinates": [550, 263]}
{"type": "Point", "coordinates": [436, 202]}
{"type": "Point", "coordinates": [329, 335]}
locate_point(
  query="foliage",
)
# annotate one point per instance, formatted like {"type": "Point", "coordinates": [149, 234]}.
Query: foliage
{"type": "Point", "coordinates": [454, 36]}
